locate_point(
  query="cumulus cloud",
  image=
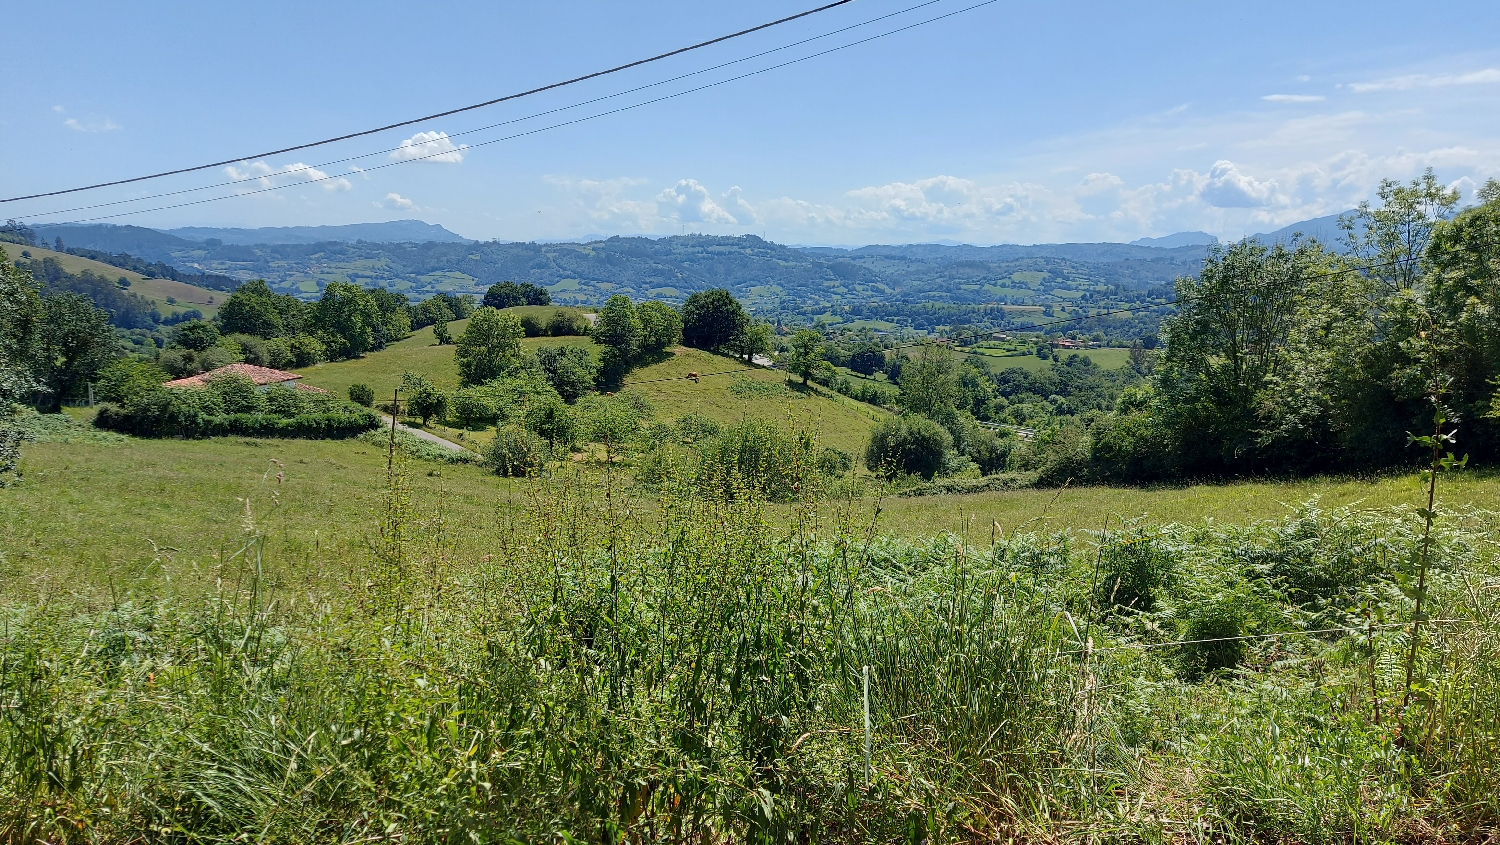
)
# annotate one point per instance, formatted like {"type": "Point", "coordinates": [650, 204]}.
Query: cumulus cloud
{"type": "Point", "coordinates": [1294, 98]}
{"type": "Point", "coordinates": [269, 177]}
{"type": "Point", "coordinates": [396, 201]}
{"type": "Point", "coordinates": [105, 125]}
{"type": "Point", "coordinates": [690, 202]}
{"type": "Point", "coordinates": [1227, 187]}
{"type": "Point", "coordinates": [1423, 80]}
{"type": "Point", "coordinates": [433, 147]}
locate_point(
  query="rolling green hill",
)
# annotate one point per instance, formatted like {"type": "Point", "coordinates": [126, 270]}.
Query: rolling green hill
{"type": "Point", "coordinates": [158, 291]}
{"type": "Point", "coordinates": [726, 391]}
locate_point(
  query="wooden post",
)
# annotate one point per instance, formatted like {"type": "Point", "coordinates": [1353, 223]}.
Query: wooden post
{"type": "Point", "coordinates": [390, 460]}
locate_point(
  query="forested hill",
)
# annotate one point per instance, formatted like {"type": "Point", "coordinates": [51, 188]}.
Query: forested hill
{"type": "Point", "coordinates": [769, 277]}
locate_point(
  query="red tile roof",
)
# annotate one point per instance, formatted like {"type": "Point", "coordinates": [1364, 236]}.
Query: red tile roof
{"type": "Point", "coordinates": [259, 375]}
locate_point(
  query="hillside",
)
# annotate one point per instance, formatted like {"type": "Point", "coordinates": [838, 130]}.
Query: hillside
{"type": "Point", "coordinates": [184, 296]}
{"type": "Point", "coordinates": [727, 391]}
{"type": "Point", "coordinates": [395, 231]}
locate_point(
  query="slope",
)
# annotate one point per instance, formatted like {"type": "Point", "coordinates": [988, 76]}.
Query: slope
{"type": "Point", "coordinates": [184, 296]}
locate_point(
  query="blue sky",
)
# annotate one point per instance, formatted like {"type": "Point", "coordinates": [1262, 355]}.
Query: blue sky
{"type": "Point", "coordinates": [1011, 123]}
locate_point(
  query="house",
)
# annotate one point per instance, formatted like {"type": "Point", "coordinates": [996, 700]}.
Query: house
{"type": "Point", "coordinates": [263, 377]}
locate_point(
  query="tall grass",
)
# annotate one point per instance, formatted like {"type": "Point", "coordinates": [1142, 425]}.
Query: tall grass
{"type": "Point", "coordinates": [694, 673]}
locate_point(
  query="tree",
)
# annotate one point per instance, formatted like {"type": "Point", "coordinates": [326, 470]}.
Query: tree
{"type": "Point", "coordinates": [610, 421]}
{"type": "Point", "coordinates": [911, 445]}
{"type": "Point", "coordinates": [754, 340]}
{"type": "Point", "coordinates": [929, 384]}
{"type": "Point", "coordinates": [490, 345]}
{"type": "Point", "coordinates": [806, 354]}
{"type": "Point", "coordinates": [553, 421]}
{"type": "Point", "coordinates": [254, 309]}
{"type": "Point", "coordinates": [196, 335]}
{"type": "Point", "coordinates": [511, 295]}
{"type": "Point", "coordinates": [1391, 241]}
{"type": "Point", "coordinates": [867, 358]}
{"type": "Point", "coordinates": [125, 378]}
{"type": "Point", "coordinates": [712, 320]}
{"type": "Point", "coordinates": [441, 334]}
{"type": "Point", "coordinates": [346, 318]}
{"type": "Point", "coordinates": [1462, 299]}
{"type": "Point", "coordinates": [571, 370]}
{"type": "Point", "coordinates": [77, 343]}
{"type": "Point", "coordinates": [661, 326]}
{"type": "Point", "coordinates": [422, 396]}
{"type": "Point", "coordinates": [22, 322]}
{"type": "Point", "coordinates": [618, 331]}
{"type": "Point", "coordinates": [395, 317]}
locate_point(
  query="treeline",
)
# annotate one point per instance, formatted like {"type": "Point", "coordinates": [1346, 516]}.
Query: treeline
{"type": "Point", "coordinates": [13, 232]}
{"type": "Point", "coordinates": [1281, 359]}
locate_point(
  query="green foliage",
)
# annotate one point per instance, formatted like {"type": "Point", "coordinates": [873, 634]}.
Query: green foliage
{"type": "Point", "coordinates": [929, 384]}
{"type": "Point", "coordinates": [611, 421]}
{"type": "Point", "coordinates": [1134, 569]}
{"type": "Point", "coordinates": [571, 370]}
{"type": "Point", "coordinates": [661, 326]}
{"type": "Point", "coordinates": [127, 377]}
{"type": "Point", "coordinates": [254, 309]}
{"type": "Point", "coordinates": [233, 406]}
{"type": "Point", "coordinates": [909, 445]}
{"type": "Point", "coordinates": [988, 450]}
{"type": "Point", "coordinates": [566, 324]}
{"type": "Point", "coordinates": [756, 458]}
{"type": "Point", "coordinates": [489, 346]}
{"type": "Point", "coordinates": [196, 335]}
{"type": "Point", "coordinates": [713, 320]}
{"type": "Point", "coordinates": [346, 317]}
{"type": "Point", "coordinates": [618, 331]}
{"type": "Point", "coordinates": [515, 452]}
{"type": "Point", "coordinates": [440, 333]}
{"type": "Point", "coordinates": [554, 421]}
{"type": "Point", "coordinates": [510, 295]}
{"type": "Point", "coordinates": [1210, 634]}
{"type": "Point", "coordinates": [754, 340]}
{"type": "Point", "coordinates": [806, 354]}
{"type": "Point", "coordinates": [77, 343]}
{"type": "Point", "coordinates": [423, 398]}
{"type": "Point", "coordinates": [362, 394]}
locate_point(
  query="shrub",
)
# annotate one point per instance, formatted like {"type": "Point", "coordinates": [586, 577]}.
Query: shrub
{"type": "Point", "coordinates": [196, 335]}
{"type": "Point", "coordinates": [306, 350]}
{"type": "Point", "coordinates": [249, 348]}
{"type": "Point", "coordinates": [128, 377]}
{"type": "Point", "coordinates": [279, 353]}
{"type": "Point", "coordinates": [238, 394]}
{"type": "Point", "coordinates": [754, 456]}
{"type": "Point", "coordinates": [203, 412]}
{"type": "Point", "coordinates": [909, 445]}
{"type": "Point", "coordinates": [362, 394]}
{"type": "Point", "coordinates": [1134, 568]}
{"type": "Point", "coordinates": [567, 324]}
{"type": "Point", "coordinates": [514, 452]}
{"type": "Point", "coordinates": [554, 421]}
{"type": "Point", "coordinates": [834, 462]}
{"type": "Point", "coordinates": [533, 326]}
{"type": "Point", "coordinates": [988, 450]}
{"type": "Point", "coordinates": [179, 362]}
{"type": "Point", "coordinates": [571, 370]}
{"type": "Point", "coordinates": [661, 326]}
{"type": "Point", "coordinates": [693, 428]}
{"type": "Point", "coordinates": [422, 397]}
{"type": "Point", "coordinates": [1216, 621]}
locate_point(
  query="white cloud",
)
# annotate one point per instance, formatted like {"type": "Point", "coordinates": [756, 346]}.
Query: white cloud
{"type": "Point", "coordinates": [1227, 187]}
{"type": "Point", "coordinates": [77, 126]}
{"type": "Point", "coordinates": [690, 202]}
{"type": "Point", "coordinates": [58, 109]}
{"type": "Point", "coordinates": [269, 177]}
{"type": "Point", "coordinates": [434, 147]}
{"type": "Point", "coordinates": [1422, 80]}
{"type": "Point", "coordinates": [395, 200]}
{"type": "Point", "coordinates": [1294, 98]}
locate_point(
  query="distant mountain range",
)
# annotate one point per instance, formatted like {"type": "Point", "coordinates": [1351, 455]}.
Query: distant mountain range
{"type": "Point", "coordinates": [1178, 239]}
{"type": "Point", "coordinates": [396, 231]}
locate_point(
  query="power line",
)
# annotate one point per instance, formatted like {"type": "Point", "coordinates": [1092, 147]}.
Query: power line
{"type": "Point", "coordinates": [311, 167]}
{"type": "Point", "coordinates": [595, 75]}
{"type": "Point", "coordinates": [329, 177]}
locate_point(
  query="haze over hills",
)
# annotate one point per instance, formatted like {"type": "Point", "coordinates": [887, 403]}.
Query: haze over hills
{"type": "Point", "coordinates": [394, 231]}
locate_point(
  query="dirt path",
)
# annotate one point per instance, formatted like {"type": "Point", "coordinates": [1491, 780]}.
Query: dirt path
{"type": "Point", "coordinates": [425, 435]}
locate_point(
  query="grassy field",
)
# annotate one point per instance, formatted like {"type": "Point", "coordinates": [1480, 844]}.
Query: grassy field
{"type": "Point", "coordinates": [156, 290]}
{"type": "Point", "coordinates": [835, 420]}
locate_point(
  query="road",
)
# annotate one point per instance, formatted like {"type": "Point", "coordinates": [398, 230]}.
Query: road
{"type": "Point", "coordinates": [385, 421]}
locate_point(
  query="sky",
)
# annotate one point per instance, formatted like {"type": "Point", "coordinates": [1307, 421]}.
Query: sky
{"type": "Point", "coordinates": [1013, 122]}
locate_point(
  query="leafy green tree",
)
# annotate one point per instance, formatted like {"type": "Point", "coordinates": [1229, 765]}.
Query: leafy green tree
{"type": "Point", "coordinates": [423, 398]}
{"type": "Point", "coordinates": [661, 326]}
{"type": "Point", "coordinates": [565, 324]}
{"type": "Point", "coordinates": [610, 421]}
{"type": "Point", "coordinates": [553, 421]}
{"type": "Point", "coordinates": [867, 358]}
{"type": "Point", "coordinates": [806, 354]}
{"type": "Point", "coordinates": [754, 340]}
{"type": "Point", "coordinates": [440, 333]}
{"type": "Point", "coordinates": [511, 295]}
{"type": "Point", "coordinates": [346, 318]}
{"type": "Point", "coordinates": [929, 384]}
{"type": "Point", "coordinates": [395, 317]}
{"type": "Point", "coordinates": [713, 319]}
{"type": "Point", "coordinates": [618, 331]}
{"type": "Point", "coordinates": [22, 325]}
{"type": "Point", "coordinates": [1462, 303]}
{"type": "Point", "coordinates": [77, 344]}
{"type": "Point", "coordinates": [196, 335]}
{"type": "Point", "coordinates": [1390, 241]}
{"type": "Point", "coordinates": [571, 370]}
{"type": "Point", "coordinates": [255, 310]}
{"type": "Point", "coordinates": [489, 346]}
{"type": "Point", "coordinates": [910, 445]}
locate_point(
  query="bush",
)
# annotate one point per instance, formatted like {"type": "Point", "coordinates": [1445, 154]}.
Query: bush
{"type": "Point", "coordinates": [567, 324]}
{"type": "Point", "coordinates": [515, 452]}
{"type": "Point", "coordinates": [204, 412]}
{"type": "Point", "coordinates": [306, 350]}
{"type": "Point", "coordinates": [1134, 567]}
{"type": "Point", "coordinates": [909, 445]}
{"type": "Point", "coordinates": [554, 421]}
{"type": "Point", "coordinates": [422, 397]}
{"type": "Point", "coordinates": [834, 462]}
{"type": "Point", "coordinates": [196, 335]}
{"type": "Point", "coordinates": [533, 326]}
{"type": "Point", "coordinates": [988, 450]}
{"type": "Point", "coordinates": [1218, 621]}
{"type": "Point", "coordinates": [754, 456]}
{"type": "Point", "coordinates": [249, 348]}
{"type": "Point", "coordinates": [128, 377]}
{"type": "Point", "coordinates": [362, 394]}
{"type": "Point", "coordinates": [571, 370]}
